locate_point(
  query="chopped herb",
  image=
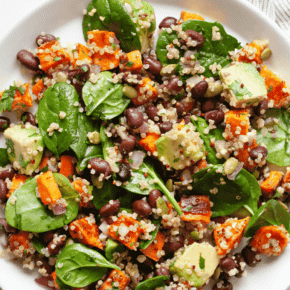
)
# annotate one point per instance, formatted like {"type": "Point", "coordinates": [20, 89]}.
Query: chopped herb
{"type": "Point", "coordinates": [85, 68]}
{"type": "Point", "coordinates": [130, 160]}
{"type": "Point", "coordinates": [22, 162]}
{"type": "Point", "coordinates": [176, 160]}
{"type": "Point", "coordinates": [129, 63]}
{"type": "Point", "coordinates": [201, 262]}
{"type": "Point", "coordinates": [188, 208]}
{"type": "Point", "coordinates": [115, 287]}
{"type": "Point", "coordinates": [57, 58]}
{"type": "Point", "coordinates": [270, 89]}
{"type": "Point", "coordinates": [4, 126]}
{"type": "Point", "coordinates": [10, 145]}
{"type": "Point", "coordinates": [74, 50]}
{"type": "Point", "coordinates": [58, 38]}
{"type": "Point", "coordinates": [131, 244]}
{"type": "Point", "coordinates": [114, 46]}
{"type": "Point", "coordinates": [1, 227]}
{"type": "Point", "coordinates": [44, 169]}
{"type": "Point", "coordinates": [239, 91]}
{"type": "Point", "coordinates": [8, 98]}
{"type": "Point", "coordinates": [71, 177]}
{"type": "Point", "coordinates": [117, 232]}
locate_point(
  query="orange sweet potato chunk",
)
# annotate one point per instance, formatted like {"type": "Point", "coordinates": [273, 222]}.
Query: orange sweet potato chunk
{"type": "Point", "coordinates": [228, 235]}
{"type": "Point", "coordinates": [120, 226]}
{"type": "Point", "coordinates": [237, 123]}
{"type": "Point", "coordinates": [17, 181]}
{"type": "Point", "coordinates": [187, 15]}
{"type": "Point", "coordinates": [51, 55]}
{"type": "Point", "coordinates": [277, 89]}
{"type": "Point", "coordinates": [86, 231]}
{"type": "Point", "coordinates": [48, 188]}
{"type": "Point", "coordinates": [196, 208]}
{"type": "Point", "coordinates": [270, 184]}
{"type": "Point", "coordinates": [38, 88]}
{"type": "Point", "coordinates": [43, 163]}
{"type": "Point", "coordinates": [146, 92]}
{"type": "Point", "coordinates": [156, 246]}
{"type": "Point", "coordinates": [106, 53]}
{"type": "Point", "coordinates": [67, 167]}
{"type": "Point", "coordinates": [244, 156]}
{"type": "Point", "coordinates": [133, 62]}
{"type": "Point", "coordinates": [148, 143]}
{"type": "Point", "coordinates": [270, 240]}
{"type": "Point", "coordinates": [17, 240]}
{"type": "Point", "coordinates": [82, 55]}
{"type": "Point", "coordinates": [116, 279]}
{"type": "Point", "coordinates": [252, 52]}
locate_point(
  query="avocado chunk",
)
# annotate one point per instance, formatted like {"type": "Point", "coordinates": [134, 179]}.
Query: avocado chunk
{"type": "Point", "coordinates": [25, 147]}
{"type": "Point", "coordinates": [143, 16]}
{"type": "Point", "coordinates": [197, 263]}
{"type": "Point", "coordinates": [246, 86]}
{"type": "Point", "coordinates": [180, 146]}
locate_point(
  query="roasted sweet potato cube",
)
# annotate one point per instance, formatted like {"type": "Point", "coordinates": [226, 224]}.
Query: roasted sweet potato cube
{"type": "Point", "coordinates": [126, 230]}
{"type": "Point", "coordinates": [132, 62]}
{"type": "Point", "coordinates": [228, 235]}
{"type": "Point", "coordinates": [106, 53]}
{"type": "Point", "coordinates": [86, 231]}
{"type": "Point", "coordinates": [270, 240]}
{"type": "Point", "coordinates": [146, 92]}
{"type": "Point", "coordinates": [51, 55]}
{"type": "Point", "coordinates": [286, 180]}
{"type": "Point", "coordinates": [48, 188]}
{"type": "Point", "coordinates": [196, 208]}
{"type": "Point", "coordinates": [148, 143]}
{"type": "Point", "coordinates": [67, 166]}
{"type": "Point", "coordinates": [153, 250]}
{"type": "Point", "coordinates": [19, 243]}
{"type": "Point", "coordinates": [252, 52]}
{"type": "Point", "coordinates": [82, 55]}
{"type": "Point", "coordinates": [237, 123]}
{"type": "Point", "coordinates": [270, 184]}
{"type": "Point", "coordinates": [278, 92]}
{"type": "Point", "coordinates": [17, 181]}
{"type": "Point", "coordinates": [244, 156]}
{"type": "Point", "coordinates": [38, 89]}
{"type": "Point", "coordinates": [116, 279]}
{"type": "Point", "coordinates": [187, 15]}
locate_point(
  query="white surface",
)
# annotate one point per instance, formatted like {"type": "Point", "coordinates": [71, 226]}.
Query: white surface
{"type": "Point", "coordinates": [63, 19]}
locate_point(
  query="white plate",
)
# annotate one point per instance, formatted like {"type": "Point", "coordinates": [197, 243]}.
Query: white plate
{"type": "Point", "coordinates": [63, 18]}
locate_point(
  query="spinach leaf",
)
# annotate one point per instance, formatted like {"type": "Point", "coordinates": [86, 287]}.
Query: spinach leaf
{"type": "Point", "coordinates": [83, 149]}
{"type": "Point", "coordinates": [4, 159]}
{"type": "Point", "coordinates": [278, 147]}
{"type": "Point", "coordinates": [271, 213]}
{"type": "Point", "coordinates": [30, 214]}
{"type": "Point", "coordinates": [201, 262]}
{"type": "Point", "coordinates": [143, 244]}
{"type": "Point", "coordinates": [104, 99]}
{"type": "Point", "coordinates": [231, 194]}
{"type": "Point", "coordinates": [111, 248]}
{"type": "Point", "coordinates": [10, 146]}
{"type": "Point", "coordinates": [116, 19]}
{"type": "Point", "coordinates": [79, 266]}
{"type": "Point", "coordinates": [7, 98]}
{"type": "Point", "coordinates": [152, 283]}
{"type": "Point", "coordinates": [212, 51]}
{"type": "Point", "coordinates": [153, 182]}
{"type": "Point", "coordinates": [104, 195]}
{"type": "Point", "coordinates": [38, 244]}
{"type": "Point", "coordinates": [57, 98]}
{"type": "Point", "coordinates": [201, 124]}
{"type": "Point", "coordinates": [106, 141]}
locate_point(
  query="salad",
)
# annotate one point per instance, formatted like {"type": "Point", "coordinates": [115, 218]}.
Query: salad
{"type": "Point", "coordinates": [145, 167]}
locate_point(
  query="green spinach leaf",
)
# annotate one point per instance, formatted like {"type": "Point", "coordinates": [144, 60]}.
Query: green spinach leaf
{"type": "Point", "coordinates": [152, 283]}
{"type": "Point", "coordinates": [106, 141]}
{"type": "Point", "coordinates": [28, 213]}
{"type": "Point", "coordinates": [38, 244]}
{"type": "Point", "coordinates": [4, 159]}
{"type": "Point", "coordinates": [79, 266]}
{"type": "Point", "coordinates": [231, 194]}
{"type": "Point", "coordinates": [271, 213]}
{"type": "Point", "coordinates": [104, 99]}
{"type": "Point", "coordinates": [10, 146]}
{"type": "Point", "coordinates": [143, 244]}
{"type": "Point", "coordinates": [201, 124]}
{"type": "Point", "coordinates": [278, 147]}
{"type": "Point", "coordinates": [104, 195]}
{"type": "Point", "coordinates": [81, 146]}
{"type": "Point", "coordinates": [111, 248]}
{"type": "Point", "coordinates": [201, 262]}
{"type": "Point", "coordinates": [212, 51]}
{"type": "Point", "coordinates": [60, 97]}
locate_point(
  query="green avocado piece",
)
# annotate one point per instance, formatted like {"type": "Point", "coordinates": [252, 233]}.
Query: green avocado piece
{"type": "Point", "coordinates": [25, 147]}
{"type": "Point", "coordinates": [143, 16]}
{"type": "Point", "coordinates": [197, 263]}
{"type": "Point", "coordinates": [180, 146]}
{"type": "Point", "coordinates": [246, 86]}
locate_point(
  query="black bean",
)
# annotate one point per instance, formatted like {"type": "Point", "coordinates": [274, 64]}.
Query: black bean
{"type": "Point", "coordinates": [27, 59]}
{"type": "Point", "coordinates": [239, 259]}
{"type": "Point", "coordinates": [127, 145]}
{"type": "Point", "coordinates": [173, 244]}
{"type": "Point", "coordinates": [180, 109]}
{"type": "Point", "coordinates": [124, 173]}
{"type": "Point", "coordinates": [217, 116]}
{"type": "Point", "coordinates": [7, 228]}
{"type": "Point", "coordinates": [142, 208]}
{"type": "Point", "coordinates": [162, 271]}
{"type": "Point", "coordinates": [47, 236]}
{"type": "Point", "coordinates": [227, 264]}
{"type": "Point", "coordinates": [195, 36]}
{"type": "Point", "coordinates": [250, 256]}
{"type": "Point", "coordinates": [261, 108]}
{"type": "Point", "coordinates": [165, 127]}
{"type": "Point", "coordinates": [110, 208]}
{"type": "Point", "coordinates": [42, 39]}
{"type": "Point", "coordinates": [220, 219]}
{"type": "Point", "coordinates": [174, 86]}
{"type": "Point", "coordinates": [3, 191]}
{"type": "Point", "coordinates": [82, 72]}
{"type": "Point", "coordinates": [151, 111]}
{"type": "Point", "coordinates": [44, 265]}
{"type": "Point", "coordinates": [167, 22]}
{"type": "Point", "coordinates": [208, 105]}
{"type": "Point", "coordinates": [100, 166]}
{"type": "Point", "coordinates": [134, 118]}
{"type": "Point", "coordinates": [7, 172]}
{"type": "Point", "coordinates": [155, 65]}
{"type": "Point", "coordinates": [226, 285]}
{"type": "Point", "coordinates": [153, 196]}
{"type": "Point", "coordinates": [148, 276]}
{"type": "Point", "coordinates": [54, 248]}
{"type": "Point", "coordinates": [185, 119]}
{"type": "Point", "coordinates": [259, 150]}
{"type": "Point", "coordinates": [28, 117]}
{"type": "Point", "coordinates": [199, 89]}
{"type": "Point", "coordinates": [109, 220]}
{"type": "Point", "coordinates": [4, 123]}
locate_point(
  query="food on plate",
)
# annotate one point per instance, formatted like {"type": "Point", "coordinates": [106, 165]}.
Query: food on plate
{"type": "Point", "coordinates": [145, 168]}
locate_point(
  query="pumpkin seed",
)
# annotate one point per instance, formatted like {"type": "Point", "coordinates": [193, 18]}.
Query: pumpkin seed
{"type": "Point", "coordinates": [266, 54]}
{"type": "Point", "coordinates": [168, 70]}
{"type": "Point", "coordinates": [230, 165]}
{"type": "Point", "coordinates": [214, 90]}
{"type": "Point", "coordinates": [130, 92]}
